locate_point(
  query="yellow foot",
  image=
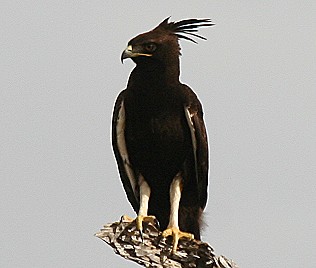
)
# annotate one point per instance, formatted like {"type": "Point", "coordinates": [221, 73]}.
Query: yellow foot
{"type": "Point", "coordinates": [126, 218]}
{"type": "Point", "coordinates": [176, 234]}
{"type": "Point", "coordinates": [139, 221]}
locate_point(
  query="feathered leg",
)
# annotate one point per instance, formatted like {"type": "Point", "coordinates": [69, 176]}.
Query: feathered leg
{"type": "Point", "coordinates": [173, 226]}
{"type": "Point", "coordinates": [144, 191]}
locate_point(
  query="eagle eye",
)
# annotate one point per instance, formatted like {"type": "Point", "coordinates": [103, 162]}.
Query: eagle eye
{"type": "Point", "coordinates": [150, 47]}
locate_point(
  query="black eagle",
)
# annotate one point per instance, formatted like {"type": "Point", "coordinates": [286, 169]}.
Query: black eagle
{"type": "Point", "coordinates": [158, 134]}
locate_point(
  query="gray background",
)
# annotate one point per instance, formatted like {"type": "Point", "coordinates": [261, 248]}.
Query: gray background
{"type": "Point", "coordinates": [60, 74]}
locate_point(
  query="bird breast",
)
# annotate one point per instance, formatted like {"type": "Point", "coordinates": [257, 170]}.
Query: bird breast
{"type": "Point", "coordinates": [158, 143]}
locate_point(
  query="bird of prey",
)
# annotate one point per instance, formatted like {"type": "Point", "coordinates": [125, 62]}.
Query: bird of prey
{"type": "Point", "coordinates": [158, 134]}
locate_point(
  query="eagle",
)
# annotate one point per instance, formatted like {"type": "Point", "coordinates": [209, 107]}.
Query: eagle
{"type": "Point", "coordinates": [158, 134]}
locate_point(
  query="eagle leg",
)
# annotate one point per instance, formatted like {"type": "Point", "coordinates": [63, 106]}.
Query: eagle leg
{"type": "Point", "coordinates": [173, 226]}
{"type": "Point", "coordinates": [144, 191]}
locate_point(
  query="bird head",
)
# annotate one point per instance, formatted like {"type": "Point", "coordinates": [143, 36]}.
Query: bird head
{"type": "Point", "coordinates": [161, 43]}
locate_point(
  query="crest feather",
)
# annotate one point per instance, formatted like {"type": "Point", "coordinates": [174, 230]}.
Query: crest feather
{"type": "Point", "coordinates": [185, 27]}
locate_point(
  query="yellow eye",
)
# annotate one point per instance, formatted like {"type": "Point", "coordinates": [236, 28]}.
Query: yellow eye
{"type": "Point", "coordinates": [150, 47]}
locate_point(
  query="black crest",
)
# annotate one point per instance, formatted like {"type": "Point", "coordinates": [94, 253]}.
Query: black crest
{"type": "Point", "coordinates": [185, 27]}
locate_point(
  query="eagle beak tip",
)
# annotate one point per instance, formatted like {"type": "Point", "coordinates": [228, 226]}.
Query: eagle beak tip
{"type": "Point", "coordinates": [127, 53]}
{"type": "Point", "coordinates": [123, 57]}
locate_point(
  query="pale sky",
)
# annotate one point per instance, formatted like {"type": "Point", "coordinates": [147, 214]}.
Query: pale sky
{"type": "Point", "coordinates": [60, 75]}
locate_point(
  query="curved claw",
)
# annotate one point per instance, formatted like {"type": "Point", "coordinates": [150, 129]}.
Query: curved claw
{"type": "Point", "coordinates": [157, 224]}
{"type": "Point", "coordinates": [139, 226]}
{"type": "Point", "coordinates": [141, 235]}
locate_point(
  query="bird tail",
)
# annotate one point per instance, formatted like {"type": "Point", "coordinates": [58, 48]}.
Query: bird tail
{"type": "Point", "coordinates": [190, 218]}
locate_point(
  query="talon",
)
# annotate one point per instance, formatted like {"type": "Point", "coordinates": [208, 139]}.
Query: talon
{"type": "Point", "coordinates": [141, 235]}
{"type": "Point", "coordinates": [139, 223]}
{"type": "Point", "coordinates": [176, 235]}
{"type": "Point", "coordinates": [157, 224]}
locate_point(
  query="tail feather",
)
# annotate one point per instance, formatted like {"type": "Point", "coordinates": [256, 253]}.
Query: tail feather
{"type": "Point", "coordinates": [190, 220]}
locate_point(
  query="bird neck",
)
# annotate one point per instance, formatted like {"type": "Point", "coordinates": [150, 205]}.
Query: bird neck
{"type": "Point", "coordinates": [156, 72]}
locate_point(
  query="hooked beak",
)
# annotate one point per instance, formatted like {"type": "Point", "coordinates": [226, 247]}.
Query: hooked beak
{"type": "Point", "coordinates": [130, 53]}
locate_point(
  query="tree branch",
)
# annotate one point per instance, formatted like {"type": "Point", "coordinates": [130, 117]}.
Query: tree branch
{"type": "Point", "coordinates": [155, 251]}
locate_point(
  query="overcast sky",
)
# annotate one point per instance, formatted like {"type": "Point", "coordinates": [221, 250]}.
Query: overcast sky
{"type": "Point", "coordinates": [60, 74]}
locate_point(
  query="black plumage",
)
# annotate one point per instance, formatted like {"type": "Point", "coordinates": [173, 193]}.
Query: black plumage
{"type": "Point", "coordinates": [158, 132]}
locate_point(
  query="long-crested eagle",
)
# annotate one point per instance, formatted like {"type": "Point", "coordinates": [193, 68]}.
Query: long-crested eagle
{"type": "Point", "coordinates": [158, 134]}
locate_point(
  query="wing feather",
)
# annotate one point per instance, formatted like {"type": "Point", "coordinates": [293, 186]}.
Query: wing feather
{"type": "Point", "coordinates": [127, 173]}
{"type": "Point", "coordinates": [200, 150]}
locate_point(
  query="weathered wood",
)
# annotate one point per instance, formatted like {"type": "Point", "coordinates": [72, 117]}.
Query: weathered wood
{"type": "Point", "coordinates": [155, 251]}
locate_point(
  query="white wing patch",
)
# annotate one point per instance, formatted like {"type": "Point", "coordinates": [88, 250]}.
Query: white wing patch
{"type": "Point", "coordinates": [189, 116]}
{"type": "Point", "coordinates": [121, 144]}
